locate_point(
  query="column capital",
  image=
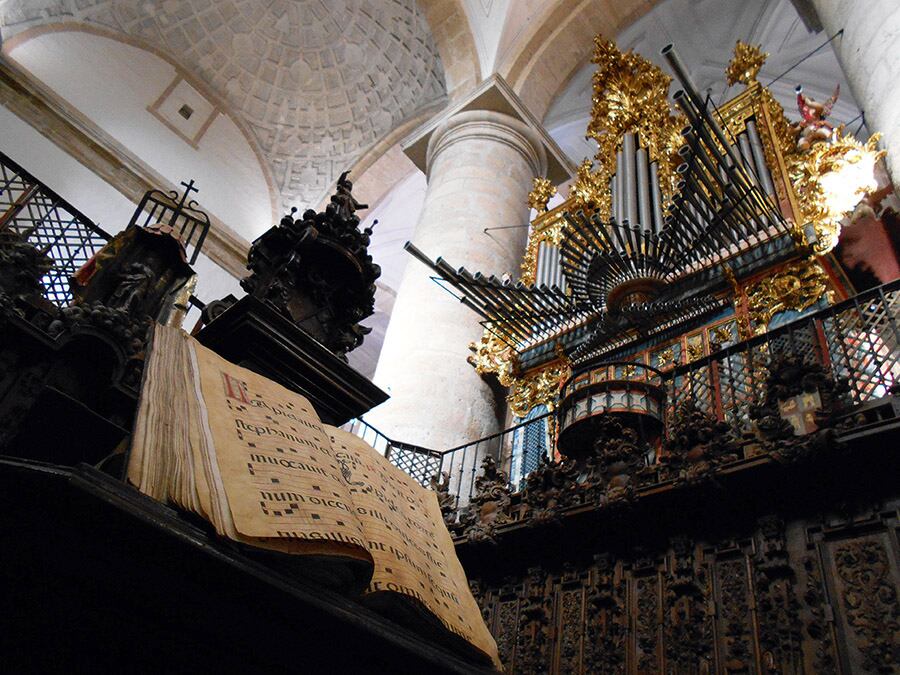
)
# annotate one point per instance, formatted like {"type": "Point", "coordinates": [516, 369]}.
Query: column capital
{"type": "Point", "coordinates": [487, 125]}
{"type": "Point", "coordinates": [493, 97]}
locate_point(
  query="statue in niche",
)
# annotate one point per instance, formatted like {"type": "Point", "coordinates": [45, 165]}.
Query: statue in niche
{"type": "Point", "coordinates": [127, 284]}
{"type": "Point", "coordinates": [133, 284]}
{"type": "Point", "coordinates": [135, 273]}
{"type": "Point", "coordinates": [813, 126]}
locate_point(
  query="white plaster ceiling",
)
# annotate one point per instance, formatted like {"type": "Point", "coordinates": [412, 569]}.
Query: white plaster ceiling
{"type": "Point", "coordinates": [704, 32]}
{"type": "Point", "coordinates": [316, 81]}
{"type": "Point", "coordinates": [115, 85]}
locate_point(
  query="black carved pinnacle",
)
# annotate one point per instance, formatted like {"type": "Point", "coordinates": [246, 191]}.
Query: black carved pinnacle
{"type": "Point", "coordinates": [316, 271]}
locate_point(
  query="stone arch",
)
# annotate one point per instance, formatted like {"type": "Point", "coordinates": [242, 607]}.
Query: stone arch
{"type": "Point", "coordinates": [455, 44]}
{"type": "Point", "coordinates": [560, 42]}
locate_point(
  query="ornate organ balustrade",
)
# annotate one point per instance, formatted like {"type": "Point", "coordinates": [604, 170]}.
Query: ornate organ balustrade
{"type": "Point", "coordinates": [714, 371]}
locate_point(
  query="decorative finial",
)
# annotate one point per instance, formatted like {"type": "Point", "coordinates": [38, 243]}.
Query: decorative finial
{"type": "Point", "coordinates": [745, 63]}
{"type": "Point", "coordinates": [585, 189]}
{"type": "Point", "coordinates": [541, 192]}
{"type": "Point", "coordinates": [630, 95]}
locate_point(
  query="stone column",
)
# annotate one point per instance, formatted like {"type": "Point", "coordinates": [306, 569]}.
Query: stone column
{"type": "Point", "coordinates": [479, 167]}
{"type": "Point", "coordinates": [868, 54]}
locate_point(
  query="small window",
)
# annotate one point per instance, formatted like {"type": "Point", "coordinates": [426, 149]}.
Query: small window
{"type": "Point", "coordinates": [186, 111]}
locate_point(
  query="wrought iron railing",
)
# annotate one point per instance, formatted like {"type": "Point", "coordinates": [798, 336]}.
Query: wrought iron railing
{"type": "Point", "coordinates": [32, 212]}
{"type": "Point", "coordinates": [857, 340]}
{"type": "Point", "coordinates": [517, 450]}
{"type": "Point", "coordinates": [420, 463]}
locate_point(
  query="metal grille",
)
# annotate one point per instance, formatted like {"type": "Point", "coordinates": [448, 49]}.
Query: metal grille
{"type": "Point", "coordinates": [864, 344]}
{"type": "Point", "coordinates": [179, 212]}
{"type": "Point", "coordinates": [421, 464]}
{"type": "Point", "coordinates": [530, 442]}
{"type": "Point", "coordinates": [31, 212]}
{"type": "Point", "coordinates": [741, 377]}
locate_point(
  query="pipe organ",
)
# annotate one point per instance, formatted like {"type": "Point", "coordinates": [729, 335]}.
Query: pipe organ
{"type": "Point", "coordinates": [680, 316]}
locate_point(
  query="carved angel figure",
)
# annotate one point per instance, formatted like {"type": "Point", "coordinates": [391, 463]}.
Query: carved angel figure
{"type": "Point", "coordinates": [813, 126]}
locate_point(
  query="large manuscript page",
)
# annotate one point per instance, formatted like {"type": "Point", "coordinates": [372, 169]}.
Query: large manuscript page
{"type": "Point", "coordinates": [275, 461]}
{"type": "Point", "coordinates": [405, 532]}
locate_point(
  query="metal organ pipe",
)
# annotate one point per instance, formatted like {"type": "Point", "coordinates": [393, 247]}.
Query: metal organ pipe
{"type": "Point", "coordinates": [657, 198]}
{"type": "Point", "coordinates": [759, 158]}
{"type": "Point", "coordinates": [703, 123]}
{"type": "Point", "coordinates": [541, 265]}
{"type": "Point", "coordinates": [643, 182]}
{"type": "Point", "coordinates": [694, 100]}
{"type": "Point", "coordinates": [746, 154]}
{"type": "Point", "coordinates": [553, 276]}
{"type": "Point", "coordinates": [631, 207]}
{"type": "Point", "coordinates": [548, 263]}
{"type": "Point", "coordinates": [619, 198]}
{"type": "Point", "coordinates": [612, 196]}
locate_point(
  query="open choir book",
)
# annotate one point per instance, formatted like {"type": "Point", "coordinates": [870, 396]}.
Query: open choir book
{"type": "Point", "coordinates": [253, 459]}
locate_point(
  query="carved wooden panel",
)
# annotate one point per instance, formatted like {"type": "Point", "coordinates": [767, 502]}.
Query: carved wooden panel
{"type": "Point", "coordinates": [735, 621]}
{"type": "Point", "coordinates": [802, 596]}
{"type": "Point", "coordinates": [644, 646]}
{"type": "Point", "coordinates": [864, 577]}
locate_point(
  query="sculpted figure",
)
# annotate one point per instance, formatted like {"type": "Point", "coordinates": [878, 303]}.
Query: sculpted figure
{"type": "Point", "coordinates": [133, 285]}
{"type": "Point", "coordinates": [813, 127]}
{"type": "Point", "coordinates": [342, 201]}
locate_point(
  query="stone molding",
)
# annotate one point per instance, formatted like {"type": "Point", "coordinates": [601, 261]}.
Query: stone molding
{"type": "Point", "coordinates": [485, 125]}
{"type": "Point", "coordinates": [76, 135]}
{"type": "Point", "coordinates": [492, 95]}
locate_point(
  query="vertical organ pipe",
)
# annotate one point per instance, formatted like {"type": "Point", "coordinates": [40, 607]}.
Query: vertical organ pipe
{"type": "Point", "coordinates": [643, 181]}
{"type": "Point", "coordinates": [620, 186]}
{"type": "Point", "coordinates": [759, 158]}
{"type": "Point", "coordinates": [746, 154]}
{"type": "Point", "coordinates": [657, 198]}
{"type": "Point", "coordinates": [549, 262]}
{"type": "Point", "coordinates": [631, 210]}
{"type": "Point", "coordinates": [541, 275]}
{"type": "Point", "coordinates": [614, 197]}
{"type": "Point", "coordinates": [553, 275]}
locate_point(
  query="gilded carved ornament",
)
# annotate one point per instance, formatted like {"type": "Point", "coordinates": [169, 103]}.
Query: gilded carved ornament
{"type": "Point", "coordinates": [631, 95]}
{"type": "Point", "coordinates": [743, 323]}
{"type": "Point", "coordinates": [830, 179]}
{"type": "Point", "coordinates": [539, 387]}
{"type": "Point", "coordinates": [542, 191]}
{"type": "Point", "coordinates": [745, 64]}
{"type": "Point", "coordinates": [665, 358]}
{"type": "Point", "coordinates": [796, 287]}
{"type": "Point", "coordinates": [721, 335]}
{"type": "Point", "coordinates": [493, 355]}
{"type": "Point", "coordinates": [694, 351]}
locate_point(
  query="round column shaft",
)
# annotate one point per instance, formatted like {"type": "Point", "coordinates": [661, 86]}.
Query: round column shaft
{"type": "Point", "coordinates": [479, 166]}
{"type": "Point", "coordinates": [868, 53]}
